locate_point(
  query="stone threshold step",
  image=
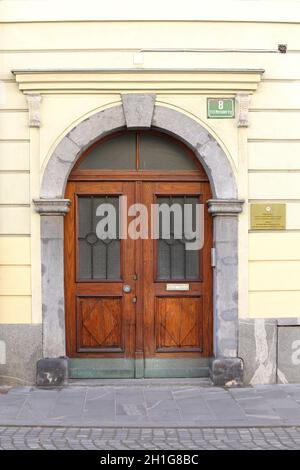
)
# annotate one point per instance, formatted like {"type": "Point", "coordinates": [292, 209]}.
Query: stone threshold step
{"type": "Point", "coordinates": [201, 382]}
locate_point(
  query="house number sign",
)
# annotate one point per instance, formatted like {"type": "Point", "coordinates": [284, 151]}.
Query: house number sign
{"type": "Point", "coordinates": [220, 108]}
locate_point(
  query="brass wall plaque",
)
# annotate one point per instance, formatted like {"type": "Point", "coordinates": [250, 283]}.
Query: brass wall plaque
{"type": "Point", "coordinates": [268, 216]}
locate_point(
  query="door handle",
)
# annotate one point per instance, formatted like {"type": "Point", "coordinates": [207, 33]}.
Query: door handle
{"type": "Point", "coordinates": [126, 288]}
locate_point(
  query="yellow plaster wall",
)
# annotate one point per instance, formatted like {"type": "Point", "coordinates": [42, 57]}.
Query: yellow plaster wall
{"type": "Point", "coordinates": [15, 251]}
{"type": "Point", "coordinates": [15, 309]}
{"type": "Point", "coordinates": [269, 148]}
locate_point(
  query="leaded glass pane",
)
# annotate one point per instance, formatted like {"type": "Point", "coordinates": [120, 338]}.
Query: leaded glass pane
{"type": "Point", "coordinates": [174, 261]}
{"type": "Point", "coordinates": [163, 260]}
{"type": "Point", "coordinates": [98, 258]}
{"type": "Point", "coordinates": [84, 260]}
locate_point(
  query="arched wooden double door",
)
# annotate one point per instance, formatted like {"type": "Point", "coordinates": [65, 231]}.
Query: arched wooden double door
{"type": "Point", "coordinates": [138, 303]}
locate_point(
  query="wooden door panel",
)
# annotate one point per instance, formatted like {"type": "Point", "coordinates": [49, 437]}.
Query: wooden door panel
{"type": "Point", "coordinates": [178, 187]}
{"type": "Point", "coordinates": [101, 289]}
{"type": "Point", "coordinates": [100, 317]}
{"type": "Point", "coordinates": [125, 332]}
{"type": "Point", "coordinates": [99, 324]}
{"type": "Point", "coordinates": [100, 187]}
{"type": "Point", "coordinates": [178, 324]}
{"type": "Point", "coordinates": [151, 321]}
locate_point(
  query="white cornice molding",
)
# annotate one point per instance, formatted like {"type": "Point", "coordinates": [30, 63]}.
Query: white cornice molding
{"type": "Point", "coordinates": [206, 81]}
{"type": "Point", "coordinates": [92, 10]}
{"type": "Point", "coordinates": [134, 70]}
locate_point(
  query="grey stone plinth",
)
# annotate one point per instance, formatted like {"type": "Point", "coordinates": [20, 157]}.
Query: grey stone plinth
{"type": "Point", "coordinates": [138, 109]}
{"type": "Point", "coordinates": [288, 354]}
{"type": "Point", "coordinates": [52, 372]}
{"type": "Point", "coordinates": [21, 348]}
{"type": "Point", "coordinates": [227, 371]}
{"type": "Point", "coordinates": [257, 348]}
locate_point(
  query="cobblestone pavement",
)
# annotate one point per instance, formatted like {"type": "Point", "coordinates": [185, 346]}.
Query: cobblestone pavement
{"type": "Point", "coordinates": [66, 438]}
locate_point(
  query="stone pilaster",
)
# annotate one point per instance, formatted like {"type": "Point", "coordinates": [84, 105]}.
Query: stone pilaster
{"type": "Point", "coordinates": [52, 259]}
{"type": "Point", "coordinates": [226, 367]}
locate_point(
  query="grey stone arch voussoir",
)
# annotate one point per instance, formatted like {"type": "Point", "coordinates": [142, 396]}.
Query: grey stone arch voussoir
{"type": "Point", "coordinates": [140, 111]}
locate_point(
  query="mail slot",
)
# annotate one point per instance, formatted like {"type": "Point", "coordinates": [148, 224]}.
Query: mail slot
{"type": "Point", "coordinates": [177, 287]}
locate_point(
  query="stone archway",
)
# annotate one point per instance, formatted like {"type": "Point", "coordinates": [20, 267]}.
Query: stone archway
{"type": "Point", "coordinates": [140, 111]}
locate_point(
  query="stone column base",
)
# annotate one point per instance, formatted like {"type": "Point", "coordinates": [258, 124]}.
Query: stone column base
{"type": "Point", "coordinates": [52, 372]}
{"type": "Point", "coordinates": [228, 371]}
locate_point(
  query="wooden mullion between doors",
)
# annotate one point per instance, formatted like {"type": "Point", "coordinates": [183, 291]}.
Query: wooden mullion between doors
{"type": "Point", "coordinates": [137, 152]}
{"type": "Point", "coordinates": [139, 319]}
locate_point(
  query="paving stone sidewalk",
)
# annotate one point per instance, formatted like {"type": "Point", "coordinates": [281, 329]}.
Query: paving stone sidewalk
{"type": "Point", "coordinates": [146, 404]}
{"type": "Point", "coordinates": [62, 438]}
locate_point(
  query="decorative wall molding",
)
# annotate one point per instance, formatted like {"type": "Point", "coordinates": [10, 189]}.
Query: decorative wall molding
{"type": "Point", "coordinates": [138, 109]}
{"type": "Point", "coordinates": [34, 107]}
{"type": "Point", "coordinates": [189, 81]}
{"type": "Point", "coordinates": [242, 112]}
{"type": "Point", "coordinates": [225, 206]}
{"type": "Point", "coordinates": [52, 206]}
